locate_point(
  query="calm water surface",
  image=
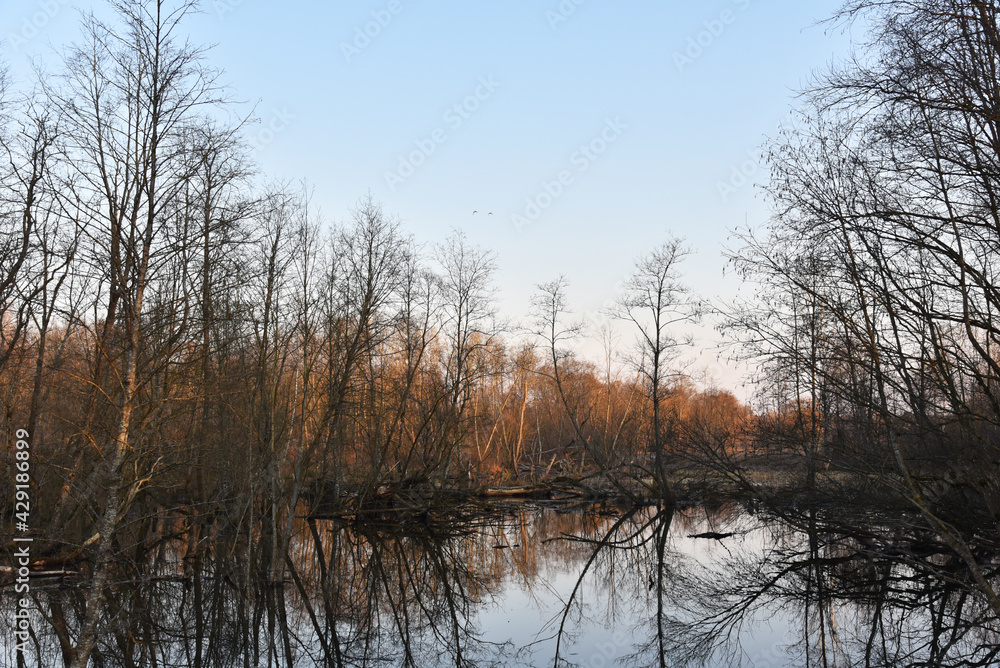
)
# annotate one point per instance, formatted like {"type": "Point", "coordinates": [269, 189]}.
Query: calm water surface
{"type": "Point", "coordinates": [535, 585]}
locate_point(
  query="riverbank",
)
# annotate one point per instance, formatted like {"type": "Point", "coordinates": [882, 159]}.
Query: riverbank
{"type": "Point", "coordinates": [767, 480]}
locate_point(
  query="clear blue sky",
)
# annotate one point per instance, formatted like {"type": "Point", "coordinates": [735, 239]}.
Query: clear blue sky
{"type": "Point", "coordinates": [557, 76]}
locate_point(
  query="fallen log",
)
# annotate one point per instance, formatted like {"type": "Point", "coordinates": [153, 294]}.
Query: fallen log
{"type": "Point", "coordinates": [514, 491]}
{"type": "Point", "coordinates": [7, 573]}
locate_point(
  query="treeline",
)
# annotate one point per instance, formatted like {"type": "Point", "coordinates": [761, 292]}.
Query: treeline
{"type": "Point", "coordinates": [177, 337]}
{"type": "Point", "coordinates": [879, 305]}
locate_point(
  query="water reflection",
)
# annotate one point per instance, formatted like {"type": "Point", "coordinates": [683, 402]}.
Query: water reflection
{"type": "Point", "coordinates": [594, 586]}
{"type": "Point", "coordinates": [861, 591]}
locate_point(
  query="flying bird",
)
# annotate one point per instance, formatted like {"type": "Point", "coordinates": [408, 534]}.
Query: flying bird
{"type": "Point", "coordinates": [491, 213]}
{"type": "Point", "coordinates": [474, 212]}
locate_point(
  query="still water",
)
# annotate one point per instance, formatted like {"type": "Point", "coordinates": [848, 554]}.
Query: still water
{"type": "Point", "coordinates": [544, 585]}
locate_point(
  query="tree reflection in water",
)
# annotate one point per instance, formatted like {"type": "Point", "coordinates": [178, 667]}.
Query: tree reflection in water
{"type": "Point", "coordinates": [590, 587]}
{"type": "Point", "coordinates": [864, 591]}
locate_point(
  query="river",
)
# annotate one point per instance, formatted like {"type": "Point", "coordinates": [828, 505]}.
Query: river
{"type": "Point", "coordinates": [545, 585]}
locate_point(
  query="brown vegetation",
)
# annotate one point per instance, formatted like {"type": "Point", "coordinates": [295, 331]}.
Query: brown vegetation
{"type": "Point", "coordinates": [174, 335]}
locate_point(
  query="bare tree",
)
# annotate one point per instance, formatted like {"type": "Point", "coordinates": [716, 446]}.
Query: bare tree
{"type": "Point", "coordinates": [602, 445]}
{"type": "Point", "coordinates": [881, 257]}
{"type": "Point", "coordinates": [470, 326]}
{"type": "Point", "coordinates": [26, 146]}
{"type": "Point", "coordinates": [549, 307]}
{"type": "Point", "coordinates": [655, 301]}
{"type": "Point", "coordinates": [126, 97]}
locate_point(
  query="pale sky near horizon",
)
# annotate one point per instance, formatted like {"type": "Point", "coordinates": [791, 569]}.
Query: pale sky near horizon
{"type": "Point", "coordinates": [645, 111]}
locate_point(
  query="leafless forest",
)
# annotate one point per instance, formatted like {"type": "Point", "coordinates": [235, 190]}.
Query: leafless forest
{"type": "Point", "coordinates": [191, 349]}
